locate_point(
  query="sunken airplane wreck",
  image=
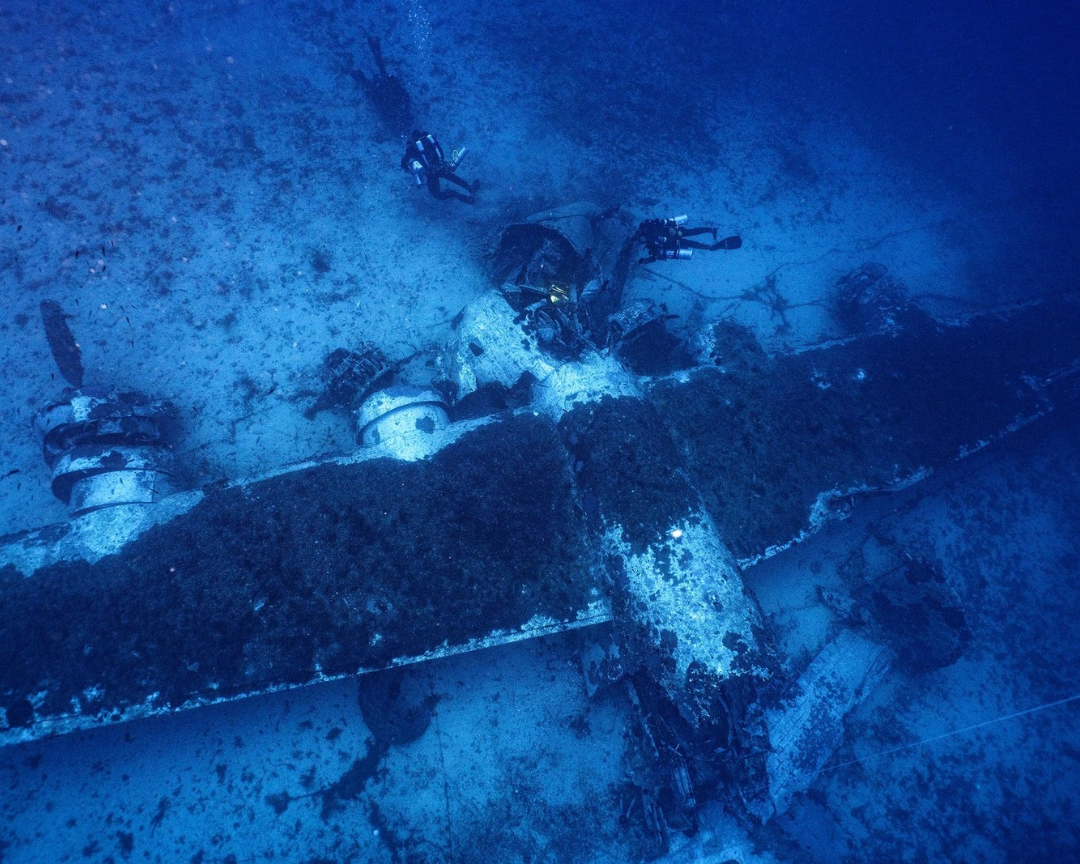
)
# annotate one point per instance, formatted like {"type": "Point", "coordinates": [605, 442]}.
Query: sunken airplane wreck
{"type": "Point", "coordinates": [539, 485]}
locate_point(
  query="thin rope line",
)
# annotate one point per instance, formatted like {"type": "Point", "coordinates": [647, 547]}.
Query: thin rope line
{"type": "Point", "coordinates": [954, 732]}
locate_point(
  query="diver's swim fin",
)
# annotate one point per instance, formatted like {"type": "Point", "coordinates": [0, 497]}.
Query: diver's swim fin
{"type": "Point", "coordinates": [733, 242]}
{"type": "Point", "coordinates": [376, 51]}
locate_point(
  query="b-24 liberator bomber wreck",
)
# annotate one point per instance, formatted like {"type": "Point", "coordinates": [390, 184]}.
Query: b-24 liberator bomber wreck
{"type": "Point", "coordinates": [593, 497]}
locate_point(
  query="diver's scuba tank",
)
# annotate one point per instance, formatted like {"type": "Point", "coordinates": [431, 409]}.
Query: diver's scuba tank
{"type": "Point", "coordinates": [417, 170]}
{"type": "Point", "coordinates": [456, 157]}
{"type": "Point", "coordinates": [677, 220]}
{"type": "Point", "coordinates": [681, 254]}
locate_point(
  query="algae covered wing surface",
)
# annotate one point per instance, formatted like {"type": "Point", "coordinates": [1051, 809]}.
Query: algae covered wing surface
{"type": "Point", "coordinates": [307, 575]}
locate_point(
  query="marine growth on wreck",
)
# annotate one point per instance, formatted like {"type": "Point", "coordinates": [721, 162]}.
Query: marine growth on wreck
{"type": "Point", "coordinates": [537, 433]}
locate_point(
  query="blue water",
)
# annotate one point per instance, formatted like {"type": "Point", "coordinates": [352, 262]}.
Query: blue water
{"type": "Point", "coordinates": [208, 191]}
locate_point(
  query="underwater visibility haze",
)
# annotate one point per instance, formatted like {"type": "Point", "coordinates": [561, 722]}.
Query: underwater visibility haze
{"type": "Point", "coordinates": [439, 431]}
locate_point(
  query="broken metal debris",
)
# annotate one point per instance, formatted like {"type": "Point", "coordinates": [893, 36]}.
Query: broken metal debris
{"type": "Point", "coordinates": [806, 723]}
{"type": "Point", "coordinates": [639, 335]}
{"type": "Point", "coordinates": [903, 600]}
{"type": "Point", "coordinates": [869, 298]}
{"type": "Point", "coordinates": [575, 258]}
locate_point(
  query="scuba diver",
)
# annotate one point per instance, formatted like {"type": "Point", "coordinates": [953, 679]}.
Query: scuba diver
{"type": "Point", "coordinates": [665, 240]}
{"type": "Point", "coordinates": [424, 159]}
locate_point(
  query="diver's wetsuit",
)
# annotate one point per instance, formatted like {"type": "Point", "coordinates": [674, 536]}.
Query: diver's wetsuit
{"type": "Point", "coordinates": [663, 238]}
{"type": "Point", "coordinates": [426, 151]}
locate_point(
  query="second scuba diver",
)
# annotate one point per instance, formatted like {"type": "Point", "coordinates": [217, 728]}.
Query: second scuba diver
{"type": "Point", "coordinates": [425, 160]}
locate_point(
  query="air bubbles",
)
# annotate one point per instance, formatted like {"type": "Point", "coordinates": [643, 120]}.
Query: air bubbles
{"type": "Point", "coordinates": [420, 25]}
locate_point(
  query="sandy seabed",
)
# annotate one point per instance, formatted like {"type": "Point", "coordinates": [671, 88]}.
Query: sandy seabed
{"type": "Point", "coordinates": [207, 194]}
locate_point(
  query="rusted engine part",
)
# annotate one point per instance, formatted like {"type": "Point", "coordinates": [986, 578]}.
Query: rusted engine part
{"type": "Point", "coordinates": [723, 760]}
{"type": "Point", "coordinates": [65, 349]}
{"type": "Point", "coordinates": [108, 447]}
{"type": "Point", "coordinates": [904, 602]}
{"type": "Point", "coordinates": [557, 327]}
{"type": "Point", "coordinates": [577, 256]}
{"type": "Point", "coordinates": [779, 445]}
{"type": "Point", "coordinates": [869, 298]}
{"type": "Point", "coordinates": [347, 377]}
{"type": "Point", "coordinates": [660, 793]}
{"type": "Point", "coordinates": [657, 794]}
{"type": "Point", "coordinates": [386, 93]}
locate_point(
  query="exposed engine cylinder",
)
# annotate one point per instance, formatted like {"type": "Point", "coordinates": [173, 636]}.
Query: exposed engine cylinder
{"type": "Point", "coordinates": [108, 447]}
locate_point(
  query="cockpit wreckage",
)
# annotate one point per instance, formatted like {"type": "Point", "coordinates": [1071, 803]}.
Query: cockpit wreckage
{"type": "Point", "coordinates": [574, 465]}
